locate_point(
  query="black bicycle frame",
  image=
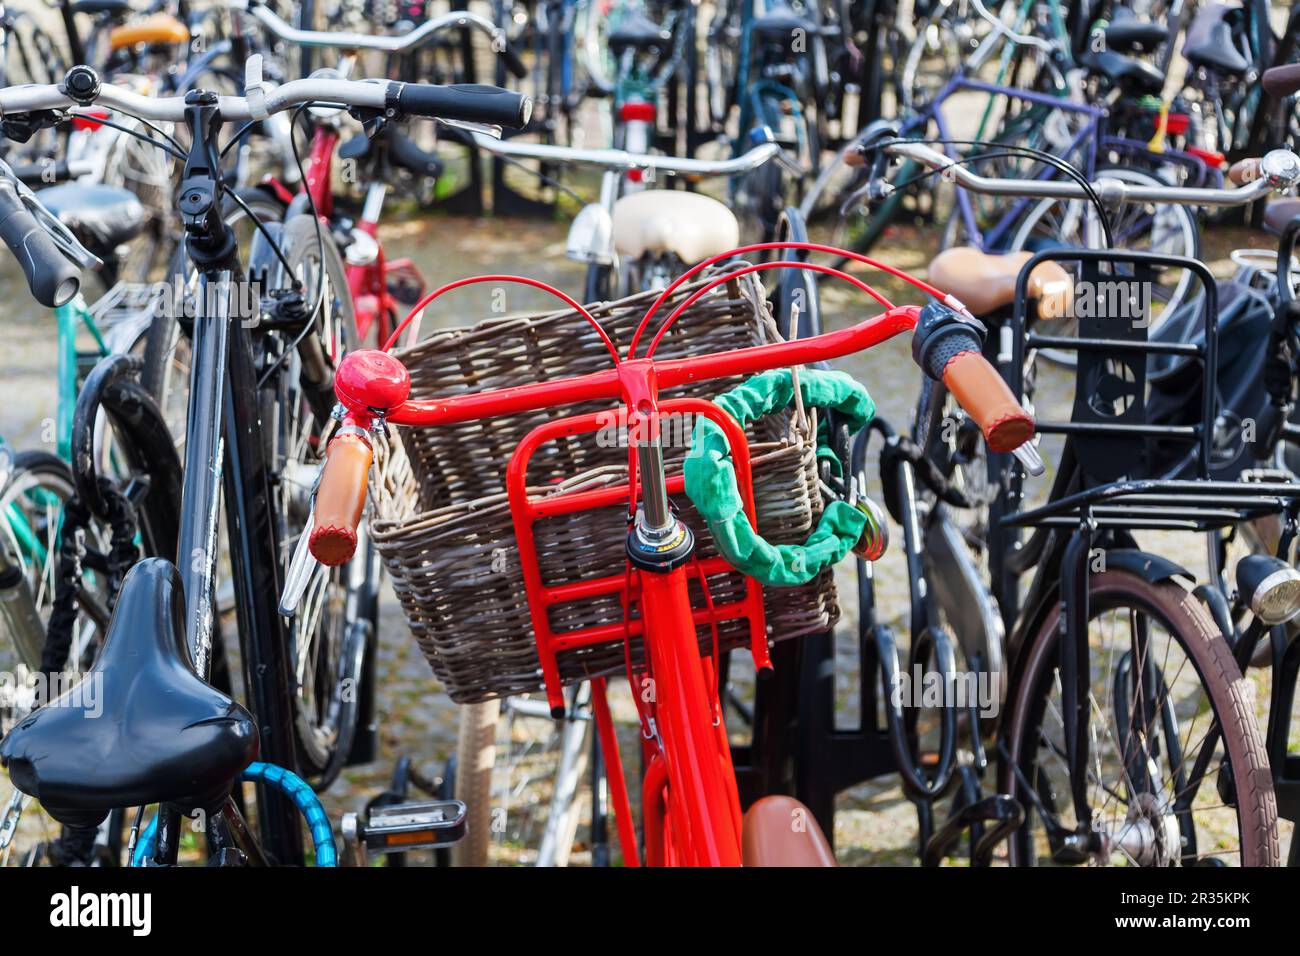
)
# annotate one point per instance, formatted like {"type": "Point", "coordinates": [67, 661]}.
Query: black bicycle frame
{"type": "Point", "coordinates": [225, 453]}
{"type": "Point", "coordinates": [1102, 511]}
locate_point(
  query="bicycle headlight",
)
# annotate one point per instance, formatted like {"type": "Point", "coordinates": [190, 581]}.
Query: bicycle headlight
{"type": "Point", "coordinates": [1270, 587]}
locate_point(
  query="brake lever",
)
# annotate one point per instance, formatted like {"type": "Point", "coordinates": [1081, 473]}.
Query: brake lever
{"type": "Point", "coordinates": [302, 566]}
{"type": "Point", "coordinates": [484, 128]}
{"type": "Point", "coordinates": [1029, 459]}
{"type": "Point", "coordinates": [791, 166]}
{"type": "Point", "coordinates": [68, 243]}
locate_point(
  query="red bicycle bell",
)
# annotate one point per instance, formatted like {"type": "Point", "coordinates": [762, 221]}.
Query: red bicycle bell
{"type": "Point", "coordinates": [369, 379]}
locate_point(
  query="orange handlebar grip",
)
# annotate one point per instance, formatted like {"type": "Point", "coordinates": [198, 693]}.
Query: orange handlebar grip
{"type": "Point", "coordinates": [340, 499]}
{"type": "Point", "coordinates": [979, 388]}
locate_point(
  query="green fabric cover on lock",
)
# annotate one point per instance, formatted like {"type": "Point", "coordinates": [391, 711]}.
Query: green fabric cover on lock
{"type": "Point", "coordinates": [711, 477]}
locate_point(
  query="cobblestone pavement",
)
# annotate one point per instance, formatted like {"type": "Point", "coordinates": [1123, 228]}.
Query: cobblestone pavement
{"type": "Point", "coordinates": [875, 825]}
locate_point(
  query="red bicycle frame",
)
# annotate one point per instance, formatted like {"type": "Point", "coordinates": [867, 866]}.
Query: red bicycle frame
{"type": "Point", "coordinates": [368, 280]}
{"type": "Point", "coordinates": [691, 809]}
{"type": "Point", "coordinates": [679, 683]}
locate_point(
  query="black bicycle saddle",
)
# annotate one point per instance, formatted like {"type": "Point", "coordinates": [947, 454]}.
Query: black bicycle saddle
{"type": "Point", "coordinates": [141, 727]}
{"type": "Point", "coordinates": [1127, 34]}
{"type": "Point", "coordinates": [1213, 42]}
{"type": "Point", "coordinates": [639, 32]}
{"type": "Point", "coordinates": [1134, 77]}
{"type": "Point", "coordinates": [102, 217]}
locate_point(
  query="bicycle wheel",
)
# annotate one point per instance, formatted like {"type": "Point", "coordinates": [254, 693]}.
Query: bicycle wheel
{"type": "Point", "coordinates": [167, 351]}
{"type": "Point", "coordinates": [321, 15]}
{"type": "Point", "coordinates": [149, 173]}
{"type": "Point", "coordinates": [337, 616]}
{"type": "Point", "coordinates": [29, 55]}
{"type": "Point", "coordinates": [759, 197]}
{"type": "Point", "coordinates": [721, 63]}
{"type": "Point", "coordinates": [598, 285]}
{"type": "Point", "coordinates": [1145, 227]}
{"type": "Point", "coordinates": [933, 57]}
{"type": "Point", "coordinates": [1177, 771]}
{"type": "Point", "coordinates": [31, 503]}
{"type": "Point", "coordinates": [956, 445]}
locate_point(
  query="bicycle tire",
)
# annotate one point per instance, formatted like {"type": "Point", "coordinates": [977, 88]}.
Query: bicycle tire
{"type": "Point", "coordinates": [50, 472]}
{"type": "Point", "coordinates": [1188, 623]}
{"type": "Point", "coordinates": [165, 374]}
{"type": "Point", "coordinates": [476, 742]}
{"type": "Point", "coordinates": [598, 284]}
{"type": "Point", "coordinates": [324, 726]}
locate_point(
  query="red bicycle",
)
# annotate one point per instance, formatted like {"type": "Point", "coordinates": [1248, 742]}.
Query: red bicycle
{"type": "Point", "coordinates": [690, 808]}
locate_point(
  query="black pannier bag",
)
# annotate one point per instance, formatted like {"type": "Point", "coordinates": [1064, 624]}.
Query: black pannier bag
{"type": "Point", "coordinates": [1245, 315]}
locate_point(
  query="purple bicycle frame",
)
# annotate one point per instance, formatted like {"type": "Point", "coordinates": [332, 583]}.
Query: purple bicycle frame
{"type": "Point", "coordinates": [1089, 140]}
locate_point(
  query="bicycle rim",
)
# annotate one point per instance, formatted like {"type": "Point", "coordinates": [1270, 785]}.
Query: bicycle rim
{"type": "Point", "coordinates": [1176, 767]}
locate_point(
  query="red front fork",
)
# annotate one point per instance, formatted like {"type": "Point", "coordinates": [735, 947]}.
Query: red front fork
{"type": "Point", "coordinates": [367, 284]}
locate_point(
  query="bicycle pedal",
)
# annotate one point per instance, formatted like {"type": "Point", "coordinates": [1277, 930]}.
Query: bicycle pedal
{"type": "Point", "coordinates": [398, 827]}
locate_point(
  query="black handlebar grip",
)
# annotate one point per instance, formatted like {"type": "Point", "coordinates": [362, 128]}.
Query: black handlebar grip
{"type": "Point", "coordinates": [41, 174]}
{"type": "Point", "coordinates": [52, 278]}
{"type": "Point", "coordinates": [467, 102]}
{"type": "Point", "coordinates": [1282, 81]}
{"type": "Point", "coordinates": [940, 335]}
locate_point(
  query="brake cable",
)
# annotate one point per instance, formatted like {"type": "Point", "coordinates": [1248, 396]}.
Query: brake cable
{"type": "Point", "coordinates": [172, 147]}
{"type": "Point", "coordinates": [312, 320]}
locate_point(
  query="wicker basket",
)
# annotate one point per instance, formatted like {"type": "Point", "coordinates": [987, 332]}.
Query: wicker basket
{"type": "Point", "coordinates": [444, 527]}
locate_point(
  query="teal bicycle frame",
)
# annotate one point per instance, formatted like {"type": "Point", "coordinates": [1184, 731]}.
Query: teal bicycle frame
{"type": "Point", "coordinates": [68, 318]}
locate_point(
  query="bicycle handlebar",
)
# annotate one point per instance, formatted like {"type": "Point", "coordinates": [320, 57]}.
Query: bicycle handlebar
{"type": "Point", "coordinates": [1277, 169]}
{"type": "Point", "coordinates": [51, 277]}
{"type": "Point", "coordinates": [468, 103]}
{"type": "Point", "coordinates": [409, 42]}
{"type": "Point", "coordinates": [43, 246]}
{"type": "Point", "coordinates": [621, 159]}
{"type": "Point", "coordinates": [948, 349]}
{"type": "Point", "coordinates": [358, 370]}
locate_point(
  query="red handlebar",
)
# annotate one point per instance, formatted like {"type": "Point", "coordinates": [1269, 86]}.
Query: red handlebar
{"type": "Point", "coordinates": [370, 383]}
{"type": "Point", "coordinates": [608, 384]}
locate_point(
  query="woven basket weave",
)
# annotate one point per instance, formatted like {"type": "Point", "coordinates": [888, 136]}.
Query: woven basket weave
{"type": "Point", "coordinates": [443, 525]}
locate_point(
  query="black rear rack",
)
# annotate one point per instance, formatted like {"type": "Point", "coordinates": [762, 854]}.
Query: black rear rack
{"type": "Point", "coordinates": [1163, 505]}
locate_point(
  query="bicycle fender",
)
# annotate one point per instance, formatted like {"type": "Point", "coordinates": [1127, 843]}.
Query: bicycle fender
{"type": "Point", "coordinates": [1152, 568]}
